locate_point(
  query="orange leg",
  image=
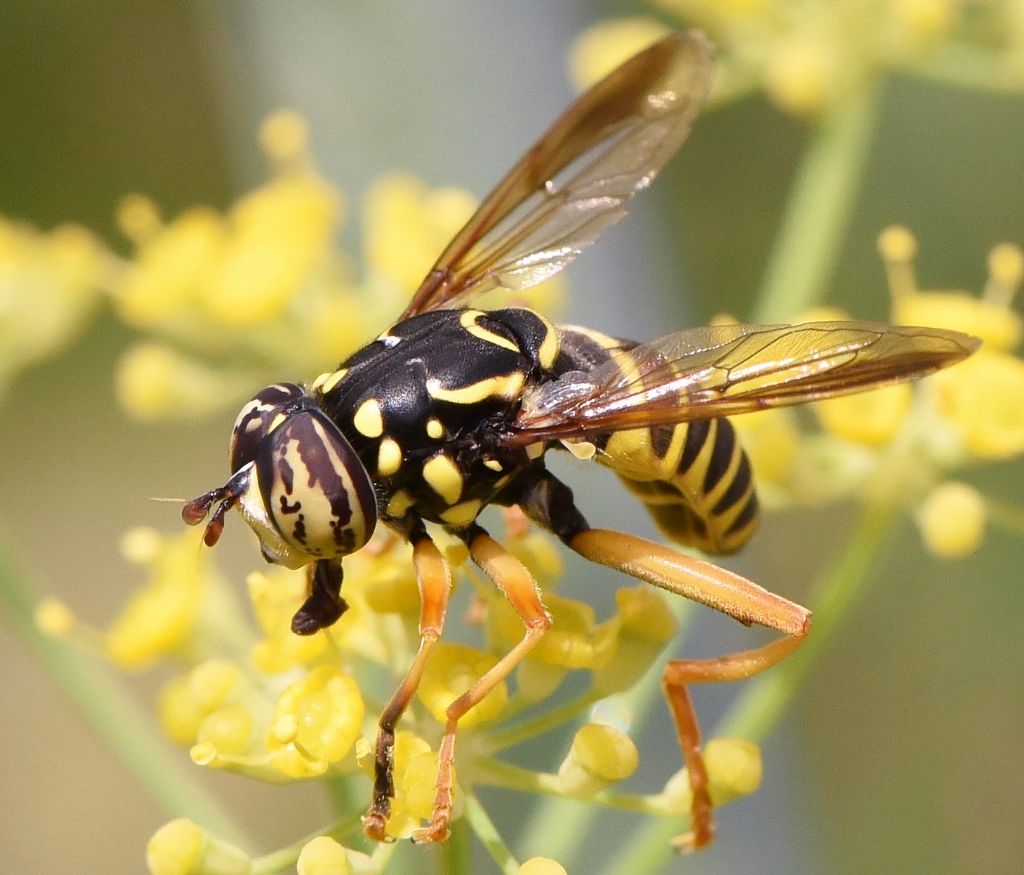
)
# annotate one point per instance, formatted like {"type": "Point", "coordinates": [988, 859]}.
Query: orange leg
{"type": "Point", "coordinates": [726, 592]}
{"type": "Point", "coordinates": [434, 579]}
{"type": "Point", "coordinates": [518, 586]}
{"type": "Point", "coordinates": [550, 502]}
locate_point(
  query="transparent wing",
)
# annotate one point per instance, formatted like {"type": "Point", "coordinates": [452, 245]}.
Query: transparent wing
{"type": "Point", "coordinates": [578, 178]}
{"type": "Point", "coordinates": [723, 370]}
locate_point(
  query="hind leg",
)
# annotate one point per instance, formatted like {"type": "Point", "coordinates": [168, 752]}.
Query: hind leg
{"type": "Point", "coordinates": [549, 502]}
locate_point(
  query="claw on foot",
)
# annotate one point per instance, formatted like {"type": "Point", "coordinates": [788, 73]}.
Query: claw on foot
{"type": "Point", "coordinates": [374, 827]}
{"type": "Point", "coordinates": [693, 841]}
{"type": "Point", "coordinates": [436, 832]}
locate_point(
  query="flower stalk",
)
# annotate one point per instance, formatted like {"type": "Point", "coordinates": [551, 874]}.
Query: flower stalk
{"type": "Point", "coordinates": [113, 713]}
{"type": "Point", "coordinates": [818, 209]}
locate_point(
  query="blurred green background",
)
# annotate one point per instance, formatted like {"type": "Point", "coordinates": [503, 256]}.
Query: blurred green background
{"type": "Point", "coordinates": [905, 749]}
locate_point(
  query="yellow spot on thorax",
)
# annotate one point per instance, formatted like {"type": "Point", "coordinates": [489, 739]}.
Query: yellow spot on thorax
{"type": "Point", "coordinates": [506, 386]}
{"type": "Point", "coordinates": [549, 347]}
{"type": "Point", "coordinates": [444, 477]}
{"type": "Point", "coordinates": [276, 422]}
{"type": "Point", "coordinates": [400, 502]}
{"type": "Point", "coordinates": [462, 514]}
{"type": "Point", "coordinates": [468, 321]}
{"type": "Point", "coordinates": [434, 428]}
{"type": "Point", "coordinates": [368, 420]}
{"type": "Point", "coordinates": [389, 457]}
{"type": "Point", "coordinates": [332, 380]}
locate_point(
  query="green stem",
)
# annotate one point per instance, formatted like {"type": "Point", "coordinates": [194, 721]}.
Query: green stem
{"type": "Point", "coordinates": [284, 858]}
{"type": "Point", "coordinates": [575, 820]}
{"type": "Point", "coordinates": [764, 699]}
{"type": "Point", "coordinates": [456, 853]}
{"type": "Point", "coordinates": [485, 830]}
{"type": "Point", "coordinates": [967, 66]}
{"type": "Point", "coordinates": [511, 777]}
{"type": "Point", "coordinates": [761, 704]}
{"type": "Point", "coordinates": [819, 208]}
{"type": "Point", "coordinates": [340, 793]}
{"type": "Point", "coordinates": [168, 777]}
{"type": "Point", "coordinates": [1006, 515]}
{"type": "Point", "coordinates": [541, 724]}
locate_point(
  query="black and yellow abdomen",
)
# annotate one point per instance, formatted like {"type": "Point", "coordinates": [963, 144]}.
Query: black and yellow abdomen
{"type": "Point", "coordinates": [694, 478]}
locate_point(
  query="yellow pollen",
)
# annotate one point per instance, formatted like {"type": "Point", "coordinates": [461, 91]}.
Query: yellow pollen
{"type": "Point", "coordinates": [493, 464]}
{"type": "Point", "coordinates": [368, 420]}
{"type": "Point", "coordinates": [444, 477]}
{"type": "Point", "coordinates": [435, 429]}
{"type": "Point", "coordinates": [389, 457]}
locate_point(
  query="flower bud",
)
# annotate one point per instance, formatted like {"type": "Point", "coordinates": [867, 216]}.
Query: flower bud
{"type": "Point", "coordinates": [600, 755]}
{"type": "Point", "coordinates": [322, 856]}
{"type": "Point", "coordinates": [541, 866]}
{"type": "Point", "coordinates": [183, 848]}
{"type": "Point", "coordinates": [952, 520]}
{"type": "Point", "coordinates": [734, 770]}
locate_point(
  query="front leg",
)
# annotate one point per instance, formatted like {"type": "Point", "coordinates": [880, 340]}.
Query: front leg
{"type": "Point", "coordinates": [325, 605]}
{"type": "Point", "coordinates": [433, 577]}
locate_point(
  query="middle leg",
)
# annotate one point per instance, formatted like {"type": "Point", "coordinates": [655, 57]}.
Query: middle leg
{"type": "Point", "coordinates": [518, 586]}
{"type": "Point", "coordinates": [433, 577]}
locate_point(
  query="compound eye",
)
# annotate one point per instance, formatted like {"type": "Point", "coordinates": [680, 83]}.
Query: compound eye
{"type": "Point", "coordinates": [315, 490]}
{"type": "Point", "coordinates": [258, 417]}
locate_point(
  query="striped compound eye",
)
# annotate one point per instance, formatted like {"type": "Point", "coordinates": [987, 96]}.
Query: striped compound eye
{"type": "Point", "coordinates": [297, 482]}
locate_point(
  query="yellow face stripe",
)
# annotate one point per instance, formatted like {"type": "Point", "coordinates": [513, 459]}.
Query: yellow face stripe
{"type": "Point", "coordinates": [444, 477]}
{"type": "Point", "coordinates": [506, 386]}
{"type": "Point", "coordinates": [493, 464]}
{"type": "Point", "coordinates": [368, 420]}
{"type": "Point", "coordinates": [319, 381]}
{"type": "Point", "coordinates": [389, 457]}
{"type": "Point", "coordinates": [468, 321]}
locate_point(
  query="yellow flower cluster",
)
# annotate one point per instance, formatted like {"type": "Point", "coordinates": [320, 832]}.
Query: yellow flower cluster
{"type": "Point", "coordinates": [810, 56]}
{"type": "Point", "coordinates": [900, 442]}
{"type": "Point", "coordinates": [225, 302]}
{"type": "Point", "coordinates": [49, 284]}
{"type": "Point", "coordinates": [249, 696]}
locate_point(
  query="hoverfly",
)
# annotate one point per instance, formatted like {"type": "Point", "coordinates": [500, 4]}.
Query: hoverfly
{"type": "Point", "coordinates": [452, 409]}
